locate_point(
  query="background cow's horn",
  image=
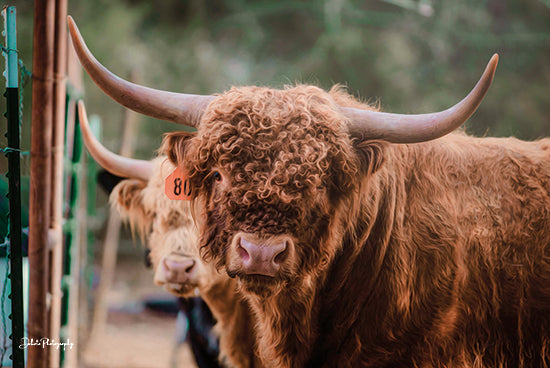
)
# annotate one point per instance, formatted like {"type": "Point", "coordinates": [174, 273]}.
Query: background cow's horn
{"type": "Point", "coordinates": [399, 128]}
{"type": "Point", "coordinates": [115, 164]}
{"type": "Point", "coordinates": [176, 107]}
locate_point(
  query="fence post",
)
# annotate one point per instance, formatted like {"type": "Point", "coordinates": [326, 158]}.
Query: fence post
{"type": "Point", "coordinates": [75, 222]}
{"type": "Point", "coordinates": [56, 230]}
{"type": "Point", "coordinates": [40, 193]}
{"type": "Point", "coordinates": [14, 176]}
{"type": "Point", "coordinates": [72, 321]}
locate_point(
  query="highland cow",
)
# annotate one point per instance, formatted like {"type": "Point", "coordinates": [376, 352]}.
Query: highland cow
{"type": "Point", "coordinates": [172, 239]}
{"type": "Point", "coordinates": [364, 238]}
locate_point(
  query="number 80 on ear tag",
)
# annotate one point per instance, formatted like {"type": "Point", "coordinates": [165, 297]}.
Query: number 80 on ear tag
{"type": "Point", "coordinates": [176, 186]}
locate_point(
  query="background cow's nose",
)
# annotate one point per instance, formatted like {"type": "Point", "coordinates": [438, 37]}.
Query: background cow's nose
{"type": "Point", "coordinates": [178, 271]}
{"type": "Point", "coordinates": [261, 259]}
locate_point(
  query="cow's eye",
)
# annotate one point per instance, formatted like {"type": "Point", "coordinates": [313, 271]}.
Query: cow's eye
{"type": "Point", "coordinates": [217, 176]}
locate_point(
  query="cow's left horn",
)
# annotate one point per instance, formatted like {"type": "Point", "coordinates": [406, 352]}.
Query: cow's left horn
{"type": "Point", "coordinates": [179, 108]}
{"type": "Point", "coordinates": [398, 128]}
{"type": "Point", "coordinates": [119, 165]}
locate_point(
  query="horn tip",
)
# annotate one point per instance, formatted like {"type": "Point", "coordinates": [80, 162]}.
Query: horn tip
{"type": "Point", "coordinates": [82, 112]}
{"type": "Point", "coordinates": [491, 68]}
{"type": "Point", "coordinates": [73, 28]}
{"type": "Point", "coordinates": [494, 61]}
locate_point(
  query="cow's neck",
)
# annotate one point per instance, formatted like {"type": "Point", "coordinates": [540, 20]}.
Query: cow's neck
{"type": "Point", "coordinates": [354, 276]}
{"type": "Point", "coordinates": [234, 322]}
{"type": "Point", "coordinates": [221, 297]}
{"type": "Point", "coordinates": [285, 322]}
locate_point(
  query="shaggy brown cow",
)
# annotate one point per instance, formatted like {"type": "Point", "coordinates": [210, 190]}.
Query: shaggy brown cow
{"type": "Point", "coordinates": [172, 239]}
{"type": "Point", "coordinates": [354, 246]}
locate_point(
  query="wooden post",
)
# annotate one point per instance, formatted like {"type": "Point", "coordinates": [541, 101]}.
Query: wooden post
{"type": "Point", "coordinates": [40, 194]}
{"type": "Point", "coordinates": [74, 75]}
{"type": "Point", "coordinates": [77, 247]}
{"type": "Point", "coordinates": [56, 222]}
{"type": "Point", "coordinates": [74, 320]}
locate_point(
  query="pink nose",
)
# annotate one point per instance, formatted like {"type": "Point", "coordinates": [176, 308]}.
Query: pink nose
{"type": "Point", "coordinates": [261, 259]}
{"type": "Point", "coordinates": [177, 271]}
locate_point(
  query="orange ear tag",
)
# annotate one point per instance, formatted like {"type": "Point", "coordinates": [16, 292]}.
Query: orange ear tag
{"type": "Point", "coordinates": [176, 186]}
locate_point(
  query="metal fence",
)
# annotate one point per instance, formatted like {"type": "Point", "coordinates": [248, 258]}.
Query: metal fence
{"type": "Point", "coordinates": [78, 193]}
{"type": "Point", "coordinates": [12, 246]}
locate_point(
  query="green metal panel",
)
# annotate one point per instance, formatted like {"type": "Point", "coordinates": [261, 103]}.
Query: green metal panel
{"type": "Point", "coordinates": [11, 73]}
{"type": "Point", "coordinates": [92, 167]}
{"type": "Point", "coordinates": [14, 176]}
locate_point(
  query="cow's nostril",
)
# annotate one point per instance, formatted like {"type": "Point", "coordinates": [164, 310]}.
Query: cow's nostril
{"type": "Point", "coordinates": [168, 272]}
{"type": "Point", "coordinates": [281, 255]}
{"type": "Point", "coordinates": [243, 253]}
{"type": "Point", "coordinates": [189, 268]}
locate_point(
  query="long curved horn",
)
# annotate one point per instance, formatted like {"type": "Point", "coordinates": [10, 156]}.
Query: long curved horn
{"type": "Point", "coordinates": [176, 107]}
{"type": "Point", "coordinates": [399, 128]}
{"type": "Point", "coordinates": [122, 166]}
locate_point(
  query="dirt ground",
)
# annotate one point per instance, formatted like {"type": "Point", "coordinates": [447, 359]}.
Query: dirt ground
{"type": "Point", "coordinates": [136, 336]}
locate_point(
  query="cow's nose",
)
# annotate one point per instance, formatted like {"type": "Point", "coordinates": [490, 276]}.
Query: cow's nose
{"type": "Point", "coordinates": [175, 271]}
{"type": "Point", "coordinates": [261, 259]}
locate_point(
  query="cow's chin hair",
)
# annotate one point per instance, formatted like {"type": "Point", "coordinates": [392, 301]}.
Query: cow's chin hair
{"type": "Point", "coordinates": [182, 290]}
{"type": "Point", "coordinates": [259, 284]}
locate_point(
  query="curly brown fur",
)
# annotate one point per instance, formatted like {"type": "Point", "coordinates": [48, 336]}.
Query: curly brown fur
{"type": "Point", "coordinates": [428, 255]}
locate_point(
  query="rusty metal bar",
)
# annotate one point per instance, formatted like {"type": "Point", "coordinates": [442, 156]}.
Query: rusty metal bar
{"type": "Point", "coordinates": [56, 221]}
{"type": "Point", "coordinates": [40, 188]}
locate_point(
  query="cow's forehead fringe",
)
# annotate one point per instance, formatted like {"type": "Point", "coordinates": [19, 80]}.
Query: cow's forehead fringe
{"type": "Point", "coordinates": [280, 107]}
{"type": "Point", "coordinates": [264, 119]}
{"type": "Point", "coordinates": [292, 135]}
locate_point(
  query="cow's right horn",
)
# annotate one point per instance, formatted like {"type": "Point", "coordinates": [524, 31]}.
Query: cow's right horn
{"type": "Point", "coordinates": [402, 128]}
{"type": "Point", "coordinates": [179, 108]}
{"type": "Point", "coordinates": [122, 166]}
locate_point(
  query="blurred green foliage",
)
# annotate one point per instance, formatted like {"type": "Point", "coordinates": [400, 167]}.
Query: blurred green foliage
{"type": "Point", "coordinates": [413, 56]}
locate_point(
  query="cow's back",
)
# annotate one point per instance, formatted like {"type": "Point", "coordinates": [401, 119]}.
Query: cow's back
{"type": "Point", "coordinates": [462, 276]}
{"type": "Point", "coordinates": [496, 193]}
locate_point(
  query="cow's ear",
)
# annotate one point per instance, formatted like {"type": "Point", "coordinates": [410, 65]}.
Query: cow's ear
{"type": "Point", "coordinates": [127, 198]}
{"type": "Point", "coordinates": [371, 155]}
{"type": "Point", "coordinates": [174, 145]}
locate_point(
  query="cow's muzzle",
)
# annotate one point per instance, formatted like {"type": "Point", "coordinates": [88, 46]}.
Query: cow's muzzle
{"type": "Point", "coordinates": [177, 269]}
{"type": "Point", "coordinates": [255, 256]}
